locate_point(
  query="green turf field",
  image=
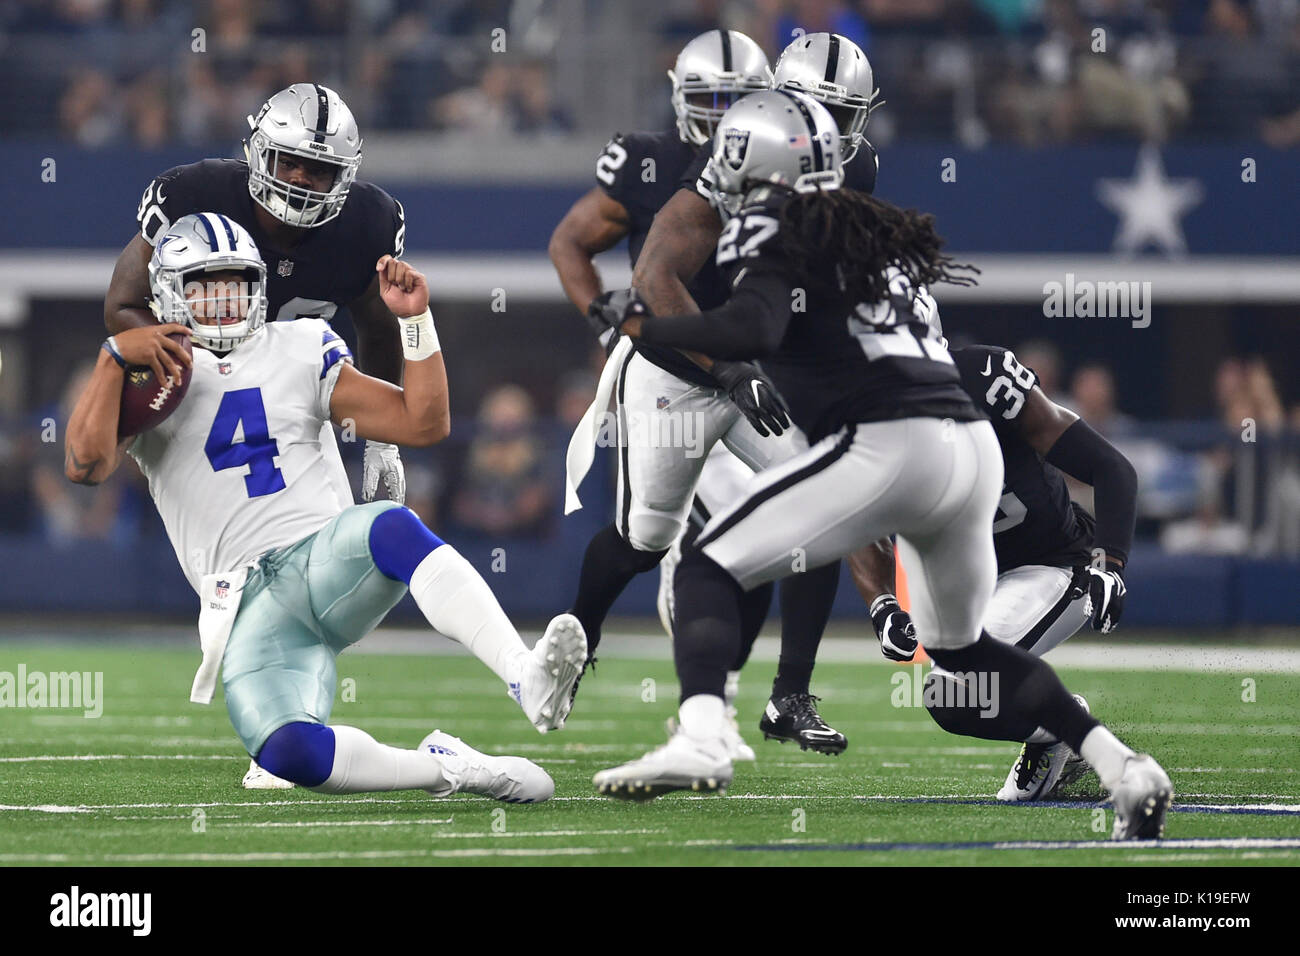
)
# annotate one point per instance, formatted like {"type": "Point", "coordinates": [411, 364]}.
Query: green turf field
{"type": "Point", "coordinates": [155, 779]}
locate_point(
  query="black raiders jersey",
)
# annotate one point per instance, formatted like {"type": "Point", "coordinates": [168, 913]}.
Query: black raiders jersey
{"type": "Point", "coordinates": [1036, 522]}
{"type": "Point", "coordinates": [860, 174]}
{"type": "Point", "coordinates": [330, 267]}
{"type": "Point", "coordinates": [843, 361]}
{"type": "Point", "coordinates": [641, 172]}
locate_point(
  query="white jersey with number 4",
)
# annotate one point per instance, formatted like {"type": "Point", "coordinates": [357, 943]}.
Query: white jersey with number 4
{"type": "Point", "coordinates": [248, 463]}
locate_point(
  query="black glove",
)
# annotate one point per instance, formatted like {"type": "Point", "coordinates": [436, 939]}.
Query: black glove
{"type": "Point", "coordinates": [755, 395]}
{"type": "Point", "coordinates": [894, 629]}
{"type": "Point", "coordinates": [1106, 592]}
{"type": "Point", "coordinates": [611, 309]}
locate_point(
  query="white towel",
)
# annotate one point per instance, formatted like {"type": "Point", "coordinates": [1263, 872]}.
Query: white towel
{"type": "Point", "coordinates": [582, 446]}
{"type": "Point", "coordinates": [219, 597]}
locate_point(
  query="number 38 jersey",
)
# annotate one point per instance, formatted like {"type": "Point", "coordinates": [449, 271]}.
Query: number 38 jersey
{"type": "Point", "coordinates": [1036, 522]}
{"type": "Point", "coordinates": [238, 469]}
{"type": "Point", "coordinates": [331, 266]}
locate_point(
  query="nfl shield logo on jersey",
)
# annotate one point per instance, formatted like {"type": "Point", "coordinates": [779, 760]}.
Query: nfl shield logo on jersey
{"type": "Point", "coordinates": [285, 268]}
{"type": "Point", "coordinates": [223, 588]}
{"type": "Point", "coordinates": [223, 368]}
{"type": "Point", "coordinates": [661, 402]}
{"type": "Point", "coordinates": [735, 143]}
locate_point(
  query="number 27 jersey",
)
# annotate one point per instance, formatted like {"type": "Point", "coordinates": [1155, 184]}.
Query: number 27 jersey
{"type": "Point", "coordinates": [238, 469]}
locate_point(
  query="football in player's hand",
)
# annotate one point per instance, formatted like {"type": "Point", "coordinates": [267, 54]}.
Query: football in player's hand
{"type": "Point", "coordinates": [146, 402]}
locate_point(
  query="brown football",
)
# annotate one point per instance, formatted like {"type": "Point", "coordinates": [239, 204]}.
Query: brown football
{"type": "Point", "coordinates": [146, 402]}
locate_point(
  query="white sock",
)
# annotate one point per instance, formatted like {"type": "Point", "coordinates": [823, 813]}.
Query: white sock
{"type": "Point", "coordinates": [702, 716]}
{"type": "Point", "coordinates": [732, 687]}
{"type": "Point", "coordinates": [362, 764]}
{"type": "Point", "coordinates": [1105, 754]}
{"type": "Point", "coordinates": [458, 603]}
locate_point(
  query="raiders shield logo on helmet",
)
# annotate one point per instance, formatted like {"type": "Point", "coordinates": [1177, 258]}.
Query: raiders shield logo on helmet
{"type": "Point", "coordinates": [735, 143]}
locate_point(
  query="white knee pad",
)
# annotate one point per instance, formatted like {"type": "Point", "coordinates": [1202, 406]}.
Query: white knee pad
{"type": "Point", "coordinates": [653, 531]}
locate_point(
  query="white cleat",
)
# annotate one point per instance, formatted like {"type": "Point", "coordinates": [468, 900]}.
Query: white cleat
{"type": "Point", "coordinates": [260, 779]}
{"type": "Point", "coordinates": [683, 763]}
{"type": "Point", "coordinates": [1141, 799]}
{"type": "Point", "coordinates": [667, 568]}
{"type": "Point", "coordinates": [544, 689]}
{"type": "Point", "coordinates": [511, 779]}
{"type": "Point", "coordinates": [1075, 766]}
{"type": "Point", "coordinates": [1035, 772]}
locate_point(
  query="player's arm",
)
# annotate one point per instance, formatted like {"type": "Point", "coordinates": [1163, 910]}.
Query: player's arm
{"type": "Point", "coordinates": [1068, 442]}
{"type": "Point", "coordinates": [418, 412]}
{"type": "Point", "coordinates": [126, 305]}
{"type": "Point", "coordinates": [594, 223]}
{"type": "Point", "coordinates": [91, 447]}
{"type": "Point", "coordinates": [750, 324]}
{"type": "Point", "coordinates": [379, 344]}
{"type": "Point", "coordinates": [682, 237]}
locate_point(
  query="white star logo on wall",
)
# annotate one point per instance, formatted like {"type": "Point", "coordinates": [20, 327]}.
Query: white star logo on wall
{"type": "Point", "coordinates": [1150, 207]}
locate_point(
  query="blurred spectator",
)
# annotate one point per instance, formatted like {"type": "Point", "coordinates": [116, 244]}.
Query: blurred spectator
{"type": "Point", "coordinates": [70, 512]}
{"type": "Point", "coordinates": [1045, 359]}
{"type": "Point", "coordinates": [1092, 397]}
{"type": "Point", "coordinates": [505, 488]}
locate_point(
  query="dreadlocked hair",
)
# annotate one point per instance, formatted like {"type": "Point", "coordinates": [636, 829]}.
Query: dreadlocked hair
{"type": "Point", "coordinates": [865, 239]}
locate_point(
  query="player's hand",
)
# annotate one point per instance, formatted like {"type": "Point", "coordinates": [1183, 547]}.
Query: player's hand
{"type": "Point", "coordinates": [402, 288]}
{"type": "Point", "coordinates": [894, 629]}
{"type": "Point", "coordinates": [149, 345]}
{"type": "Point", "coordinates": [382, 460]}
{"type": "Point", "coordinates": [755, 396]}
{"type": "Point", "coordinates": [611, 309]}
{"type": "Point", "coordinates": [1105, 598]}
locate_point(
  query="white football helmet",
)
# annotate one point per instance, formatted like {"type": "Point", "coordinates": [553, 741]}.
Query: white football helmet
{"type": "Point", "coordinates": [201, 243]}
{"type": "Point", "coordinates": [778, 136]}
{"type": "Point", "coordinates": [307, 120]}
{"type": "Point", "coordinates": [833, 70]}
{"type": "Point", "coordinates": [712, 72]}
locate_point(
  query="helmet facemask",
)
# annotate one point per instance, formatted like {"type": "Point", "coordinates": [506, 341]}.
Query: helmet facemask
{"type": "Point", "coordinates": [699, 104]}
{"type": "Point", "coordinates": [296, 205]}
{"type": "Point", "coordinates": [206, 298]}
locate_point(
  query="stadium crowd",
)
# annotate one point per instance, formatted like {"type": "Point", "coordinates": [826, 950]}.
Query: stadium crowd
{"type": "Point", "coordinates": [148, 72]}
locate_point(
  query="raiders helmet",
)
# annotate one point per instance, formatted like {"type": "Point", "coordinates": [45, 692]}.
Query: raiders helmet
{"type": "Point", "coordinates": [712, 72]}
{"type": "Point", "coordinates": [833, 70]}
{"type": "Point", "coordinates": [778, 136]}
{"type": "Point", "coordinates": [307, 120]}
{"type": "Point", "coordinates": [202, 243]}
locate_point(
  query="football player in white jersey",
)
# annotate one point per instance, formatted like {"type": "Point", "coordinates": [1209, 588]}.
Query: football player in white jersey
{"type": "Point", "coordinates": [288, 573]}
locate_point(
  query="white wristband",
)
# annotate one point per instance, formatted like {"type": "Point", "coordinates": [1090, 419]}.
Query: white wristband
{"type": "Point", "coordinates": [419, 338]}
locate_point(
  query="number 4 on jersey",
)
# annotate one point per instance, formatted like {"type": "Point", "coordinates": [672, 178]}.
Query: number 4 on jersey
{"type": "Point", "coordinates": [243, 408]}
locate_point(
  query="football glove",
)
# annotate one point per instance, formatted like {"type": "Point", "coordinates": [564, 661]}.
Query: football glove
{"type": "Point", "coordinates": [755, 396]}
{"type": "Point", "coordinates": [1105, 598]}
{"type": "Point", "coordinates": [894, 628]}
{"type": "Point", "coordinates": [381, 459]}
{"type": "Point", "coordinates": [611, 309]}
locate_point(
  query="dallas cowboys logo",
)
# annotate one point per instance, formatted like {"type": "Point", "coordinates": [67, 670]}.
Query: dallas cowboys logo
{"type": "Point", "coordinates": [285, 268]}
{"type": "Point", "coordinates": [735, 143]}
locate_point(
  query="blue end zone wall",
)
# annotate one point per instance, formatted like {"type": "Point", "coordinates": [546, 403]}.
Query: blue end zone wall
{"type": "Point", "coordinates": [1049, 194]}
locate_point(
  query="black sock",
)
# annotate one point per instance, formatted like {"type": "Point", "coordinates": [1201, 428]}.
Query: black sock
{"type": "Point", "coordinates": [754, 606]}
{"type": "Point", "coordinates": [806, 600]}
{"type": "Point", "coordinates": [1027, 695]}
{"type": "Point", "coordinates": [707, 624]}
{"type": "Point", "coordinates": [607, 567]}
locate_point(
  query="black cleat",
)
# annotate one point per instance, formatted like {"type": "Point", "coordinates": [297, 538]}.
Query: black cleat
{"type": "Point", "coordinates": [795, 718]}
{"type": "Point", "coordinates": [590, 664]}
